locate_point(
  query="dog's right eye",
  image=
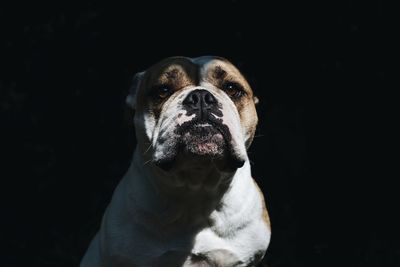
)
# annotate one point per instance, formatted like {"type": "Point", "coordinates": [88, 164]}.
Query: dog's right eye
{"type": "Point", "coordinates": [233, 89]}
{"type": "Point", "coordinates": [163, 91]}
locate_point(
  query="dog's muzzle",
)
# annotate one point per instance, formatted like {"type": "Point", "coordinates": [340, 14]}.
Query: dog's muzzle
{"type": "Point", "coordinates": [204, 136]}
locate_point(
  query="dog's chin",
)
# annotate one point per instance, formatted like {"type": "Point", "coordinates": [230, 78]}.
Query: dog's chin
{"type": "Point", "coordinates": [209, 145]}
{"type": "Point", "coordinates": [201, 148]}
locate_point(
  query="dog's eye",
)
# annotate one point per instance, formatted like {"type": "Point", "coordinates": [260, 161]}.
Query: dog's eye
{"type": "Point", "coordinates": [163, 91]}
{"type": "Point", "coordinates": [233, 90]}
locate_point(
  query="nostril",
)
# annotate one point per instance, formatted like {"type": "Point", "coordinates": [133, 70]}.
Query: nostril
{"type": "Point", "coordinates": [194, 99]}
{"type": "Point", "coordinates": [209, 99]}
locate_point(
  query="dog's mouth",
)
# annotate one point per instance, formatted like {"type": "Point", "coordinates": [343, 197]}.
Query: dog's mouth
{"type": "Point", "coordinates": [202, 141]}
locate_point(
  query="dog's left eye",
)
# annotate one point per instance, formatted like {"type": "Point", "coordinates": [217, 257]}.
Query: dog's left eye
{"type": "Point", "coordinates": [163, 91]}
{"type": "Point", "coordinates": [233, 90]}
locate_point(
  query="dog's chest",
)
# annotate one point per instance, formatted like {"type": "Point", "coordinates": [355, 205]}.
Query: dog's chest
{"type": "Point", "coordinates": [233, 234]}
{"type": "Point", "coordinates": [244, 248]}
{"type": "Point", "coordinates": [228, 241]}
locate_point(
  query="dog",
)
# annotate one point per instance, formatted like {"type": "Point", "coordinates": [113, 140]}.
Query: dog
{"type": "Point", "coordinates": [188, 197]}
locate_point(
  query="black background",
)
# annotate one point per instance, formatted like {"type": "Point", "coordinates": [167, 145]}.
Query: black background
{"type": "Point", "coordinates": [319, 69]}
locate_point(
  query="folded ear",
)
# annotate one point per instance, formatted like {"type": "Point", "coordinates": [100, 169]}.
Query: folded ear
{"type": "Point", "coordinates": [256, 100]}
{"type": "Point", "coordinates": [131, 98]}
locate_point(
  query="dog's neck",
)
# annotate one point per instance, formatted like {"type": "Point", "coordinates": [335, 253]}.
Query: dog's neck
{"type": "Point", "coordinates": [174, 203]}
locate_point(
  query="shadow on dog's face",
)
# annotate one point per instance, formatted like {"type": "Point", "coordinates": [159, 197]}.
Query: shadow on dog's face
{"type": "Point", "coordinates": [194, 114]}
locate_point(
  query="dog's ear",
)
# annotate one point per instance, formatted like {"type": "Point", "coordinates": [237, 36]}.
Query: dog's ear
{"type": "Point", "coordinates": [256, 100]}
{"type": "Point", "coordinates": [136, 81]}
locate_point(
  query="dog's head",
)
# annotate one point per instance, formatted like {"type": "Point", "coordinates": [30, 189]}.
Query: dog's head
{"type": "Point", "coordinates": [199, 110]}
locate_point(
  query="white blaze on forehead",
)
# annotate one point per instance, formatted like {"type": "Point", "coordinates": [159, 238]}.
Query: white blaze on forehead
{"type": "Point", "coordinates": [204, 63]}
{"type": "Point", "coordinates": [205, 60]}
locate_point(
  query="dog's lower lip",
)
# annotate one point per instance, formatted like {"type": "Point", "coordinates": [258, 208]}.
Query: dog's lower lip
{"type": "Point", "coordinates": [238, 163]}
{"type": "Point", "coordinates": [165, 165]}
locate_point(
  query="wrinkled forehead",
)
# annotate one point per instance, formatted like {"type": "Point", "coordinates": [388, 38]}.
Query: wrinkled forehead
{"type": "Point", "coordinates": [193, 70]}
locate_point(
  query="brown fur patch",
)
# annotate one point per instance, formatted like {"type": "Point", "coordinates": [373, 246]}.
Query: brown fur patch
{"type": "Point", "coordinates": [219, 73]}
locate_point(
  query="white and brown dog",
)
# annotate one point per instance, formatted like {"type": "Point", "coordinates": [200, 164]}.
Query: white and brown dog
{"type": "Point", "coordinates": [188, 198]}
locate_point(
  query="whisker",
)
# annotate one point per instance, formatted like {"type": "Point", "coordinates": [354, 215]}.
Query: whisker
{"type": "Point", "coordinates": [147, 150]}
{"type": "Point", "coordinates": [150, 160]}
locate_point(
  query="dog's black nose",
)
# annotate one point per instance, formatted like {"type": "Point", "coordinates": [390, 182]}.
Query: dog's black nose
{"type": "Point", "coordinates": [201, 102]}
